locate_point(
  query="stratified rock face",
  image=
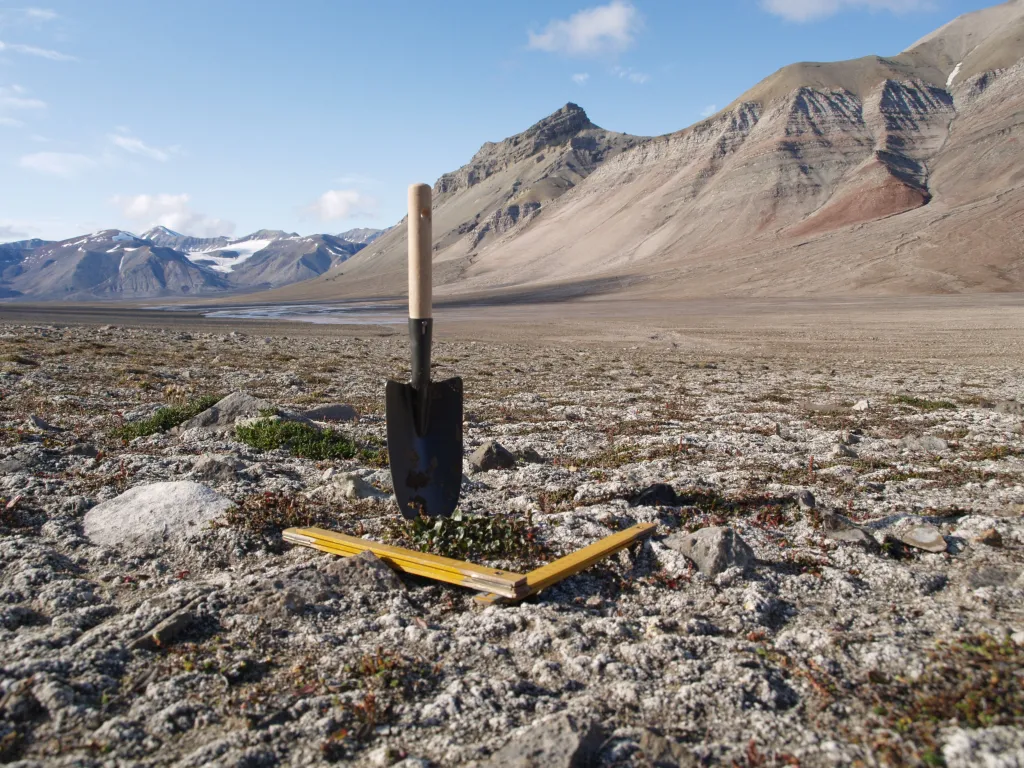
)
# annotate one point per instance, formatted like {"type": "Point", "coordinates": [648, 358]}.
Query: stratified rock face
{"type": "Point", "coordinates": [503, 188]}
{"type": "Point", "coordinates": [555, 130]}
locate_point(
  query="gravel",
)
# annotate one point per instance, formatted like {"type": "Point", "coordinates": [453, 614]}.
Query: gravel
{"type": "Point", "coordinates": [221, 644]}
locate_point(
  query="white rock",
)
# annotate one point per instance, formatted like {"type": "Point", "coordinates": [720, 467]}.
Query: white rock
{"type": "Point", "coordinates": [861, 405]}
{"type": "Point", "coordinates": [154, 514]}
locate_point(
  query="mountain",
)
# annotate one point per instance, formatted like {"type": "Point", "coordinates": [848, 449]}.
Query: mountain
{"type": "Point", "coordinates": [168, 238]}
{"type": "Point", "coordinates": [361, 235]}
{"type": "Point", "coordinates": [291, 259]}
{"type": "Point", "coordinates": [114, 264]}
{"type": "Point", "coordinates": [108, 264]}
{"type": "Point", "coordinates": [498, 192]}
{"type": "Point", "coordinates": [900, 174]}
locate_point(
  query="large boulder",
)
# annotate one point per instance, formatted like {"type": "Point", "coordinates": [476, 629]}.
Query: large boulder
{"type": "Point", "coordinates": [154, 514]}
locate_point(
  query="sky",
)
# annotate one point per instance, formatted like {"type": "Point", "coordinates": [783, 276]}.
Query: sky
{"type": "Point", "coordinates": [221, 118]}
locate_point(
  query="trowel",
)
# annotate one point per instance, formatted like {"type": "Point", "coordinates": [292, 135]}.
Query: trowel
{"type": "Point", "coordinates": [424, 417]}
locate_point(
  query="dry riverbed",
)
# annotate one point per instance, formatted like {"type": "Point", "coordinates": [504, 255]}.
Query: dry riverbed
{"type": "Point", "coordinates": [837, 644]}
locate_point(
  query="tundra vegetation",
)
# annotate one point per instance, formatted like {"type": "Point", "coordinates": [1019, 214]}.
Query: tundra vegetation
{"type": "Point", "coordinates": [838, 642]}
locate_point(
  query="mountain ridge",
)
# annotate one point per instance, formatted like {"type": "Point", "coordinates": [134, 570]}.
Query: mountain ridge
{"type": "Point", "coordinates": [840, 155]}
{"type": "Point", "coordinates": [851, 176]}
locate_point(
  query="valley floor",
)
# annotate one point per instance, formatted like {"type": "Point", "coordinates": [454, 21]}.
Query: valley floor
{"type": "Point", "coordinates": [837, 646]}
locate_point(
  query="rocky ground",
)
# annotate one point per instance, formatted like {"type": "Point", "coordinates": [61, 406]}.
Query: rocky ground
{"type": "Point", "coordinates": [818, 628]}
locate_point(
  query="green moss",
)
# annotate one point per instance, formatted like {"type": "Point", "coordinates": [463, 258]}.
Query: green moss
{"type": "Point", "coordinates": [166, 418]}
{"type": "Point", "coordinates": [302, 440]}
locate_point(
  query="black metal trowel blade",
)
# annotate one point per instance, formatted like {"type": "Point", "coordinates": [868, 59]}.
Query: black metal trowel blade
{"type": "Point", "coordinates": [426, 469]}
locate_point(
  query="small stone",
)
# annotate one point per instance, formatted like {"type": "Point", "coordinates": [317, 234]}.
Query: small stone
{"type": "Point", "coordinates": [223, 414]}
{"type": "Point", "coordinates": [37, 424]}
{"type": "Point", "coordinates": [849, 438]}
{"type": "Point", "coordinates": [346, 486]}
{"type": "Point", "coordinates": [844, 451]}
{"type": "Point", "coordinates": [332, 412]}
{"type": "Point", "coordinates": [82, 449]}
{"type": "Point", "coordinates": [777, 429]}
{"type": "Point", "coordinates": [991, 537]}
{"type": "Point", "coordinates": [213, 467]}
{"type": "Point", "coordinates": [166, 631]}
{"type": "Point", "coordinates": [560, 741]}
{"type": "Point", "coordinates": [530, 456]}
{"type": "Point", "coordinates": [805, 500]}
{"type": "Point", "coordinates": [861, 405]}
{"type": "Point", "coordinates": [924, 443]}
{"type": "Point", "coordinates": [364, 571]}
{"type": "Point", "coordinates": [840, 528]}
{"type": "Point", "coordinates": [926, 537]}
{"type": "Point", "coordinates": [491, 455]}
{"type": "Point", "coordinates": [657, 495]}
{"type": "Point", "coordinates": [713, 550]}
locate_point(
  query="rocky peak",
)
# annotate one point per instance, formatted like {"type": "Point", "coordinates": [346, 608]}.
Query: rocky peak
{"type": "Point", "coordinates": [558, 129]}
{"type": "Point", "coordinates": [554, 130]}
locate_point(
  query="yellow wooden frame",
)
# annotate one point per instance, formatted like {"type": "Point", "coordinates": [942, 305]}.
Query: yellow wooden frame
{"type": "Point", "coordinates": [496, 586]}
{"type": "Point", "coordinates": [564, 567]}
{"type": "Point", "coordinates": [504, 583]}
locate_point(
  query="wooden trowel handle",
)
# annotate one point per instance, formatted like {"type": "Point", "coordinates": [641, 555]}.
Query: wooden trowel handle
{"type": "Point", "coordinates": [420, 243]}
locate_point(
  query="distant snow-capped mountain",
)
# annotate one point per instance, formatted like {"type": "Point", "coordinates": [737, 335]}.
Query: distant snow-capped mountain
{"type": "Point", "coordinates": [108, 264]}
{"type": "Point", "coordinates": [363, 235]}
{"type": "Point", "coordinates": [179, 242]}
{"type": "Point", "coordinates": [114, 263]}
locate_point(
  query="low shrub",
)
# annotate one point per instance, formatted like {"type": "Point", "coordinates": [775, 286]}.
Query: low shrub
{"type": "Point", "coordinates": [166, 418]}
{"type": "Point", "coordinates": [301, 440]}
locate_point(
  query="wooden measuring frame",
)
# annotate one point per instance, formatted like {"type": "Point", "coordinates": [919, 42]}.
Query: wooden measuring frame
{"type": "Point", "coordinates": [497, 586]}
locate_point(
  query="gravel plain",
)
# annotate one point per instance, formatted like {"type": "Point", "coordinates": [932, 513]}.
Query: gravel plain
{"type": "Point", "coordinates": [837, 644]}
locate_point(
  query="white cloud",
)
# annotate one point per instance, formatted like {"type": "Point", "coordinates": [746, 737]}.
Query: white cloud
{"type": "Point", "coordinates": [31, 50]}
{"type": "Point", "coordinates": [626, 73]}
{"type": "Point", "coordinates": [604, 29]}
{"type": "Point", "coordinates": [173, 212]}
{"type": "Point", "coordinates": [709, 110]}
{"type": "Point", "coordinates": [10, 122]}
{"type": "Point", "coordinates": [809, 10]}
{"type": "Point", "coordinates": [34, 16]}
{"type": "Point", "coordinates": [581, 78]}
{"type": "Point", "coordinates": [39, 14]}
{"type": "Point", "coordinates": [13, 97]}
{"type": "Point", "coordinates": [137, 146]}
{"type": "Point", "coordinates": [342, 204]}
{"type": "Point", "coordinates": [65, 164]}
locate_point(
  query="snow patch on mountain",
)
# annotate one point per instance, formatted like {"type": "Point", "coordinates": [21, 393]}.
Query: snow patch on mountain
{"type": "Point", "coordinates": [219, 260]}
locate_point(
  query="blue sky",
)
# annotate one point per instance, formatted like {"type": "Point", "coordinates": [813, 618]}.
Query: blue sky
{"type": "Point", "coordinates": [314, 115]}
